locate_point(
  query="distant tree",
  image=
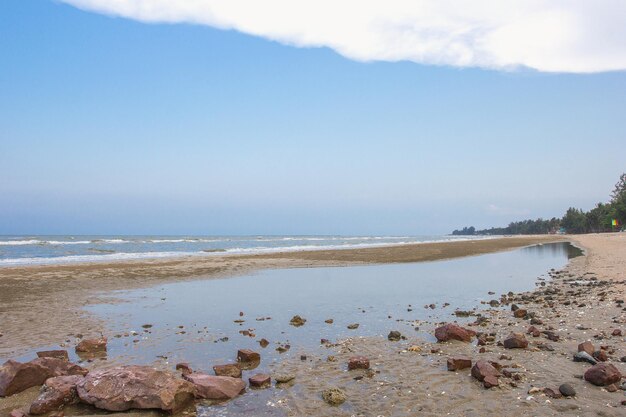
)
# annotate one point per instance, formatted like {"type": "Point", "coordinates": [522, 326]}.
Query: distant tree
{"type": "Point", "coordinates": [574, 221]}
{"type": "Point", "coordinates": [620, 188]}
{"type": "Point", "coordinates": [618, 200]}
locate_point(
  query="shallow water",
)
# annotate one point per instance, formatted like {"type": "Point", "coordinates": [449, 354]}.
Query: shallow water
{"type": "Point", "coordinates": [190, 319]}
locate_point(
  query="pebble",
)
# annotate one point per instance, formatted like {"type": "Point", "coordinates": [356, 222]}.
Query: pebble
{"type": "Point", "coordinates": [567, 390]}
{"type": "Point", "coordinates": [334, 396]}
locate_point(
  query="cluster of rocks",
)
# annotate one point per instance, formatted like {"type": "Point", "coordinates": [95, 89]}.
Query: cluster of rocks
{"type": "Point", "coordinates": [122, 388]}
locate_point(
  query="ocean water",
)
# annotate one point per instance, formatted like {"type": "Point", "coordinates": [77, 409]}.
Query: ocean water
{"type": "Point", "coordinates": [28, 250]}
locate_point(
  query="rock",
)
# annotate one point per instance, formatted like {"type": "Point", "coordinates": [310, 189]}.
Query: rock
{"type": "Point", "coordinates": [394, 336]}
{"type": "Point", "coordinates": [567, 390]}
{"type": "Point", "coordinates": [459, 362]}
{"type": "Point", "coordinates": [586, 347]}
{"type": "Point", "coordinates": [334, 396]}
{"type": "Point", "coordinates": [16, 376]}
{"type": "Point", "coordinates": [247, 355]}
{"type": "Point", "coordinates": [584, 357]}
{"type": "Point", "coordinates": [284, 378]}
{"type": "Point", "coordinates": [92, 345]}
{"type": "Point", "coordinates": [56, 393]}
{"type": "Point", "coordinates": [126, 387]}
{"type": "Point", "coordinates": [515, 341]}
{"type": "Point", "coordinates": [353, 326]}
{"type": "Point", "coordinates": [611, 388]}
{"type": "Point", "coordinates": [600, 355]}
{"type": "Point", "coordinates": [60, 367]}
{"type": "Point", "coordinates": [532, 330]}
{"type": "Point", "coordinates": [520, 313]}
{"type": "Point", "coordinates": [211, 387]}
{"type": "Point", "coordinates": [552, 393]}
{"type": "Point", "coordinates": [483, 369]}
{"type": "Point", "coordinates": [232, 370]}
{"type": "Point", "coordinates": [616, 332]}
{"type": "Point", "coordinates": [58, 354]}
{"type": "Point", "coordinates": [358, 362]}
{"type": "Point", "coordinates": [490, 381]}
{"type": "Point", "coordinates": [264, 343]}
{"type": "Point", "coordinates": [297, 321]}
{"type": "Point", "coordinates": [184, 368]}
{"type": "Point", "coordinates": [603, 374]}
{"type": "Point", "coordinates": [260, 381]}
{"type": "Point", "coordinates": [329, 321]}
{"type": "Point", "coordinates": [451, 331]}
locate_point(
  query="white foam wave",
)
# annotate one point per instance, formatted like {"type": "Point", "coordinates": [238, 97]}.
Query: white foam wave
{"type": "Point", "coordinates": [19, 242]}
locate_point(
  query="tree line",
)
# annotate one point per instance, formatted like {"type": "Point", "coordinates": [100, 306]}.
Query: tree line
{"type": "Point", "coordinates": [604, 217]}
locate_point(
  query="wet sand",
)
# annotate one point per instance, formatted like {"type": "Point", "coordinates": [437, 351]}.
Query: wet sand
{"type": "Point", "coordinates": [42, 305]}
{"type": "Point", "coordinates": [404, 382]}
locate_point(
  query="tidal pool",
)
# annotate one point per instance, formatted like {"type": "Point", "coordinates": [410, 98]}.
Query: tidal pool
{"type": "Point", "coordinates": [199, 322]}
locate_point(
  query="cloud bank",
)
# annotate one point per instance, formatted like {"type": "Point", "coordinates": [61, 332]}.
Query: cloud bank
{"type": "Point", "coordinates": [579, 36]}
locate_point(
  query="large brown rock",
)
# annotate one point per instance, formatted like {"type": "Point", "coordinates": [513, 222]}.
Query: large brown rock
{"type": "Point", "coordinates": [92, 345]}
{"type": "Point", "coordinates": [451, 331]}
{"type": "Point", "coordinates": [603, 374]}
{"type": "Point", "coordinates": [216, 387]}
{"type": "Point", "coordinates": [56, 393]}
{"type": "Point", "coordinates": [60, 367]}
{"type": "Point", "coordinates": [16, 376]}
{"type": "Point", "coordinates": [516, 341]}
{"type": "Point", "coordinates": [247, 356]}
{"type": "Point", "coordinates": [126, 387]}
{"type": "Point", "coordinates": [232, 370]}
{"type": "Point", "coordinates": [486, 373]}
{"type": "Point", "coordinates": [586, 347]}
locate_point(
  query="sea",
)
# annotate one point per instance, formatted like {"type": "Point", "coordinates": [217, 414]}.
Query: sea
{"type": "Point", "coordinates": [41, 250]}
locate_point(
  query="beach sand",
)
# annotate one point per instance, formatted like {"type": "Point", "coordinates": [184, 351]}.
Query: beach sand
{"type": "Point", "coordinates": [41, 305]}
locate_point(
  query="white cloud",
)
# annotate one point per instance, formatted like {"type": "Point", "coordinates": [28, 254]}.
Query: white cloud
{"type": "Point", "coordinates": [546, 35]}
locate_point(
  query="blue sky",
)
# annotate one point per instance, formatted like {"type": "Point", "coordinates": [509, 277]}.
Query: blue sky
{"type": "Point", "coordinates": [111, 125]}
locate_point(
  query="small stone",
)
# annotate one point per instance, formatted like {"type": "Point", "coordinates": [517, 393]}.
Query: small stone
{"type": "Point", "coordinates": [616, 332]}
{"type": "Point", "coordinates": [264, 343]}
{"type": "Point", "coordinates": [451, 331]}
{"type": "Point", "coordinates": [284, 378]}
{"type": "Point", "coordinates": [358, 362]}
{"type": "Point", "coordinates": [516, 341]}
{"type": "Point", "coordinates": [247, 355]}
{"type": "Point", "coordinates": [490, 381]}
{"type": "Point", "coordinates": [584, 357]}
{"type": "Point", "coordinates": [329, 321]}
{"type": "Point", "coordinates": [58, 354]}
{"type": "Point", "coordinates": [611, 388]}
{"type": "Point", "coordinates": [459, 362]}
{"type": "Point", "coordinates": [520, 313]}
{"type": "Point", "coordinates": [353, 326]}
{"type": "Point", "coordinates": [297, 321]}
{"type": "Point", "coordinates": [184, 368]}
{"type": "Point", "coordinates": [394, 336]}
{"type": "Point", "coordinates": [92, 345]}
{"type": "Point", "coordinates": [567, 390]}
{"type": "Point", "coordinates": [260, 381]}
{"type": "Point", "coordinates": [334, 396]}
{"type": "Point", "coordinates": [232, 370]}
{"type": "Point", "coordinates": [586, 347]}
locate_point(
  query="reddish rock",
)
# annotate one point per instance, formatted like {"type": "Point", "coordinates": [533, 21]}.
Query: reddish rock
{"type": "Point", "coordinates": [611, 388]}
{"type": "Point", "coordinates": [532, 330]}
{"type": "Point", "coordinates": [520, 313]}
{"type": "Point", "coordinates": [451, 331]}
{"type": "Point", "coordinates": [515, 341]}
{"type": "Point", "coordinates": [490, 381]}
{"type": "Point", "coordinates": [586, 347]}
{"type": "Point", "coordinates": [17, 413]}
{"type": "Point", "coordinates": [459, 362]}
{"type": "Point", "coordinates": [358, 362]}
{"type": "Point", "coordinates": [552, 393]}
{"type": "Point", "coordinates": [58, 354]}
{"type": "Point", "coordinates": [601, 355]}
{"type": "Point", "coordinates": [216, 387]}
{"type": "Point", "coordinates": [247, 355]}
{"type": "Point", "coordinates": [59, 367]}
{"type": "Point", "coordinates": [16, 376]}
{"type": "Point", "coordinates": [56, 393]}
{"type": "Point", "coordinates": [127, 387]}
{"type": "Point", "coordinates": [232, 370]}
{"type": "Point", "coordinates": [260, 381]}
{"type": "Point", "coordinates": [92, 345]}
{"type": "Point", "coordinates": [184, 368]}
{"type": "Point", "coordinates": [483, 369]}
{"type": "Point", "coordinates": [603, 374]}
{"type": "Point", "coordinates": [616, 332]}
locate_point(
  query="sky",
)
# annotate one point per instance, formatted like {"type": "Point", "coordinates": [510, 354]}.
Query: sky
{"type": "Point", "coordinates": [206, 117]}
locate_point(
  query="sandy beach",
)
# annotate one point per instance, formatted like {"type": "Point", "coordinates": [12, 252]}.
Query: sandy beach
{"type": "Point", "coordinates": [43, 304]}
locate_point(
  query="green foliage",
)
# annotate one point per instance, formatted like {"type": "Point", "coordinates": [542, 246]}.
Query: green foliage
{"type": "Point", "coordinates": [598, 219]}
